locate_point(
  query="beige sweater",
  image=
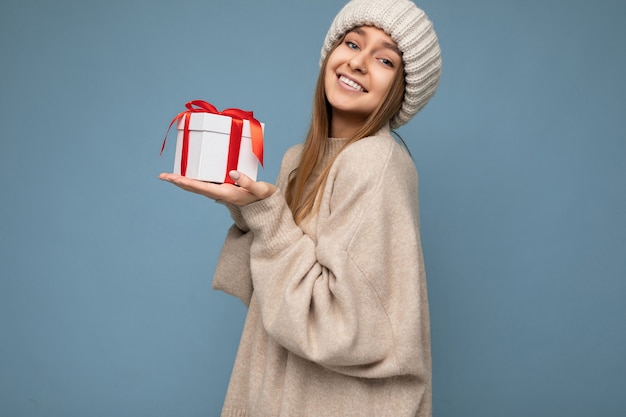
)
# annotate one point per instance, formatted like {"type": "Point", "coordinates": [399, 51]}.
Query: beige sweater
{"type": "Point", "coordinates": [337, 320]}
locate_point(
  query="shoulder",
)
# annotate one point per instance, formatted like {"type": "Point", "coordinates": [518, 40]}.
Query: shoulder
{"type": "Point", "coordinates": [290, 161]}
{"type": "Point", "coordinates": [291, 158]}
{"type": "Point", "coordinates": [377, 157]}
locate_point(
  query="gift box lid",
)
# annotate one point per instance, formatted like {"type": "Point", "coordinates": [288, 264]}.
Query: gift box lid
{"type": "Point", "coordinates": [210, 122]}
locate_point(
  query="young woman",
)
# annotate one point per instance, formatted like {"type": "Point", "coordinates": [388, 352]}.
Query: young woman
{"type": "Point", "coordinates": [329, 260]}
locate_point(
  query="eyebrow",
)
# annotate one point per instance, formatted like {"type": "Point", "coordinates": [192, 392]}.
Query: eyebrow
{"type": "Point", "coordinates": [387, 45]}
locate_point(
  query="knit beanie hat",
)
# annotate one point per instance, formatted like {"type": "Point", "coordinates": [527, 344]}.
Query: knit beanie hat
{"type": "Point", "coordinates": [412, 31]}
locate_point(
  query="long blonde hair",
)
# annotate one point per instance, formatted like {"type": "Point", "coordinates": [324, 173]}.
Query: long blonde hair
{"type": "Point", "coordinates": [303, 204]}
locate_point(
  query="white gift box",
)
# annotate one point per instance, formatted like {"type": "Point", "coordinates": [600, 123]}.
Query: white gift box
{"type": "Point", "coordinates": [209, 140]}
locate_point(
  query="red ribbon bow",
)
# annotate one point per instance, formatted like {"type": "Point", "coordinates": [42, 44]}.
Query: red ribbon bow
{"type": "Point", "coordinates": [236, 127]}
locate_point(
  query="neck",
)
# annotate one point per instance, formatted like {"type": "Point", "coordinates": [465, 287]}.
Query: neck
{"type": "Point", "coordinates": [345, 125]}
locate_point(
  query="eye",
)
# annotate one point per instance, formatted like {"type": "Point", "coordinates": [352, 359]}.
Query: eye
{"type": "Point", "coordinates": [352, 45]}
{"type": "Point", "coordinates": [386, 62]}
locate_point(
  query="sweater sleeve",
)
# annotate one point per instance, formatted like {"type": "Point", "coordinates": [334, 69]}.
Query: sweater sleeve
{"type": "Point", "coordinates": [232, 273]}
{"type": "Point", "coordinates": [353, 296]}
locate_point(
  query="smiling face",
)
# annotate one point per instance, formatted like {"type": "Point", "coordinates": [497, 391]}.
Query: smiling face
{"type": "Point", "coordinates": [358, 74]}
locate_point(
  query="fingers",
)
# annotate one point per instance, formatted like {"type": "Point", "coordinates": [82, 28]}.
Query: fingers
{"type": "Point", "coordinates": [214, 191]}
{"type": "Point", "coordinates": [258, 189]}
{"type": "Point", "coordinates": [179, 180]}
{"type": "Point", "coordinates": [248, 191]}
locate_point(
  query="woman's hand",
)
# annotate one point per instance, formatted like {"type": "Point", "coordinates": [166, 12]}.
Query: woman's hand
{"type": "Point", "coordinates": [248, 191]}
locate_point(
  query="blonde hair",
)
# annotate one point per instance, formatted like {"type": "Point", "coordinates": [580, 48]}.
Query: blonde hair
{"type": "Point", "coordinates": [303, 204]}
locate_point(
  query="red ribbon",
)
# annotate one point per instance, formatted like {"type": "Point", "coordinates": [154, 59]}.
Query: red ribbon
{"type": "Point", "coordinates": [236, 127]}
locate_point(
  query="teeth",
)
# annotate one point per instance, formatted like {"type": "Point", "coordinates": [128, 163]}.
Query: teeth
{"type": "Point", "coordinates": [351, 83]}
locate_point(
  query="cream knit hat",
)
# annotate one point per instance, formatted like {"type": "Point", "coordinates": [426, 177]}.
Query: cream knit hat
{"type": "Point", "coordinates": [410, 28]}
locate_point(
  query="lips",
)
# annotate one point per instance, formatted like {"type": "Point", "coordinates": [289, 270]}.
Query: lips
{"type": "Point", "coordinates": [351, 83]}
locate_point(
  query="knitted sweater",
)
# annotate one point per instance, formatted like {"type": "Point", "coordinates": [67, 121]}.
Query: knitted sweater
{"type": "Point", "coordinates": [337, 321]}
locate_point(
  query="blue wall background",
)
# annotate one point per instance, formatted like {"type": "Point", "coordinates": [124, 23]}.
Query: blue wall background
{"type": "Point", "coordinates": [105, 272]}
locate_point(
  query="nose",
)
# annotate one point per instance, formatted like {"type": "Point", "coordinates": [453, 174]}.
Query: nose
{"type": "Point", "coordinates": [357, 63]}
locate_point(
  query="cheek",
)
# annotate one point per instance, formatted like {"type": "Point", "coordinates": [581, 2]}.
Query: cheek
{"type": "Point", "coordinates": [328, 78]}
{"type": "Point", "coordinates": [330, 73]}
{"type": "Point", "coordinates": [385, 80]}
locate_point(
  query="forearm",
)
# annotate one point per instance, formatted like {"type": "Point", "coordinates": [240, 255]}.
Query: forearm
{"type": "Point", "coordinates": [314, 300]}
{"type": "Point", "coordinates": [232, 273]}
